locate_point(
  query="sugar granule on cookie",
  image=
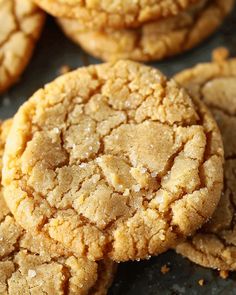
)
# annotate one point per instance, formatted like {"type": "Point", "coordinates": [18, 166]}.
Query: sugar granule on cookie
{"type": "Point", "coordinates": [33, 264]}
{"type": "Point", "coordinates": [23, 22]}
{"type": "Point", "coordinates": [113, 160]}
{"type": "Point", "coordinates": [215, 83]}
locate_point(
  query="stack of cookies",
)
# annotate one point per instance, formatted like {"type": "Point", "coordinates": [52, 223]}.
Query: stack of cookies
{"type": "Point", "coordinates": [138, 30]}
{"type": "Point", "coordinates": [112, 163]}
{"type": "Point", "coordinates": [115, 162]}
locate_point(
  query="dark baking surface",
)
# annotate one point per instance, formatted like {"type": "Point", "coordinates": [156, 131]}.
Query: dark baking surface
{"type": "Point", "coordinates": [145, 277]}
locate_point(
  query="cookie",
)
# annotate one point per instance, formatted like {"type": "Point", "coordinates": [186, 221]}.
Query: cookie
{"type": "Point", "coordinates": [113, 160]}
{"type": "Point", "coordinates": [215, 245]}
{"type": "Point", "coordinates": [23, 22]}
{"type": "Point", "coordinates": [155, 40]}
{"type": "Point", "coordinates": [34, 264]}
{"type": "Point", "coordinates": [116, 14]}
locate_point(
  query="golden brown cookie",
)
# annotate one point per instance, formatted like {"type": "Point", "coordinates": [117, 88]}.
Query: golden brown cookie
{"type": "Point", "coordinates": [113, 160]}
{"type": "Point", "coordinates": [155, 40]}
{"type": "Point", "coordinates": [215, 244]}
{"type": "Point", "coordinates": [94, 14]}
{"type": "Point", "coordinates": [21, 23]}
{"type": "Point", "coordinates": [37, 265]}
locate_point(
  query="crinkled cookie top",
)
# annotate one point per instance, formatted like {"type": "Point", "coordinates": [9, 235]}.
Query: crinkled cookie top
{"type": "Point", "coordinates": [155, 40]}
{"type": "Point", "coordinates": [117, 14]}
{"type": "Point", "coordinates": [113, 160]}
{"type": "Point", "coordinates": [34, 264]}
{"type": "Point", "coordinates": [215, 244]}
{"type": "Point", "coordinates": [21, 23]}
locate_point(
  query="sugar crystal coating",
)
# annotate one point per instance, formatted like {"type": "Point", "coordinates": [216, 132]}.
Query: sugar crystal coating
{"type": "Point", "coordinates": [108, 207]}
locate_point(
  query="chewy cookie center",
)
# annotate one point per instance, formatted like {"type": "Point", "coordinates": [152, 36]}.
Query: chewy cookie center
{"type": "Point", "coordinates": [112, 160]}
{"type": "Point", "coordinates": [105, 164]}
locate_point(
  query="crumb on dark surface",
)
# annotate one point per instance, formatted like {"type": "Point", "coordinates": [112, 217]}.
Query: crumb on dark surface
{"type": "Point", "coordinates": [201, 282]}
{"type": "Point", "coordinates": [165, 269]}
{"type": "Point", "coordinates": [224, 274]}
{"type": "Point", "coordinates": [64, 69]}
{"type": "Point", "coordinates": [220, 54]}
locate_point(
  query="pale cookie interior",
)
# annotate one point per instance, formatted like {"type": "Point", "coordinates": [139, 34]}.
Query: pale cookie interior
{"type": "Point", "coordinates": [113, 160]}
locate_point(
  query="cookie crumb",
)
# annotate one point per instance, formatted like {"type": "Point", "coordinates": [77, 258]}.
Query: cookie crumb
{"type": "Point", "coordinates": [220, 54]}
{"type": "Point", "coordinates": [165, 269]}
{"type": "Point", "coordinates": [31, 273]}
{"type": "Point", "coordinates": [224, 274]}
{"type": "Point", "coordinates": [201, 282]}
{"type": "Point", "coordinates": [64, 69]}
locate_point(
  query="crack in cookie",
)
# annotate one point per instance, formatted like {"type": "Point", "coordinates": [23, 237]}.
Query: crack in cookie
{"type": "Point", "coordinates": [155, 40]}
{"type": "Point", "coordinates": [118, 14]}
{"type": "Point", "coordinates": [34, 263]}
{"type": "Point", "coordinates": [23, 22]}
{"type": "Point", "coordinates": [215, 245]}
{"type": "Point", "coordinates": [113, 161]}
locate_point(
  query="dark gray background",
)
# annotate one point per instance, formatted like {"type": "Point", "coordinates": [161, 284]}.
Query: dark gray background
{"type": "Point", "coordinates": [133, 278]}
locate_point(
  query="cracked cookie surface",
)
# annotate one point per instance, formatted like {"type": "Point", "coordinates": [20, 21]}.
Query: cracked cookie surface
{"type": "Point", "coordinates": [116, 14]}
{"type": "Point", "coordinates": [215, 244]}
{"type": "Point", "coordinates": [34, 264]}
{"type": "Point", "coordinates": [113, 160]}
{"type": "Point", "coordinates": [23, 22]}
{"type": "Point", "coordinates": [155, 40]}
